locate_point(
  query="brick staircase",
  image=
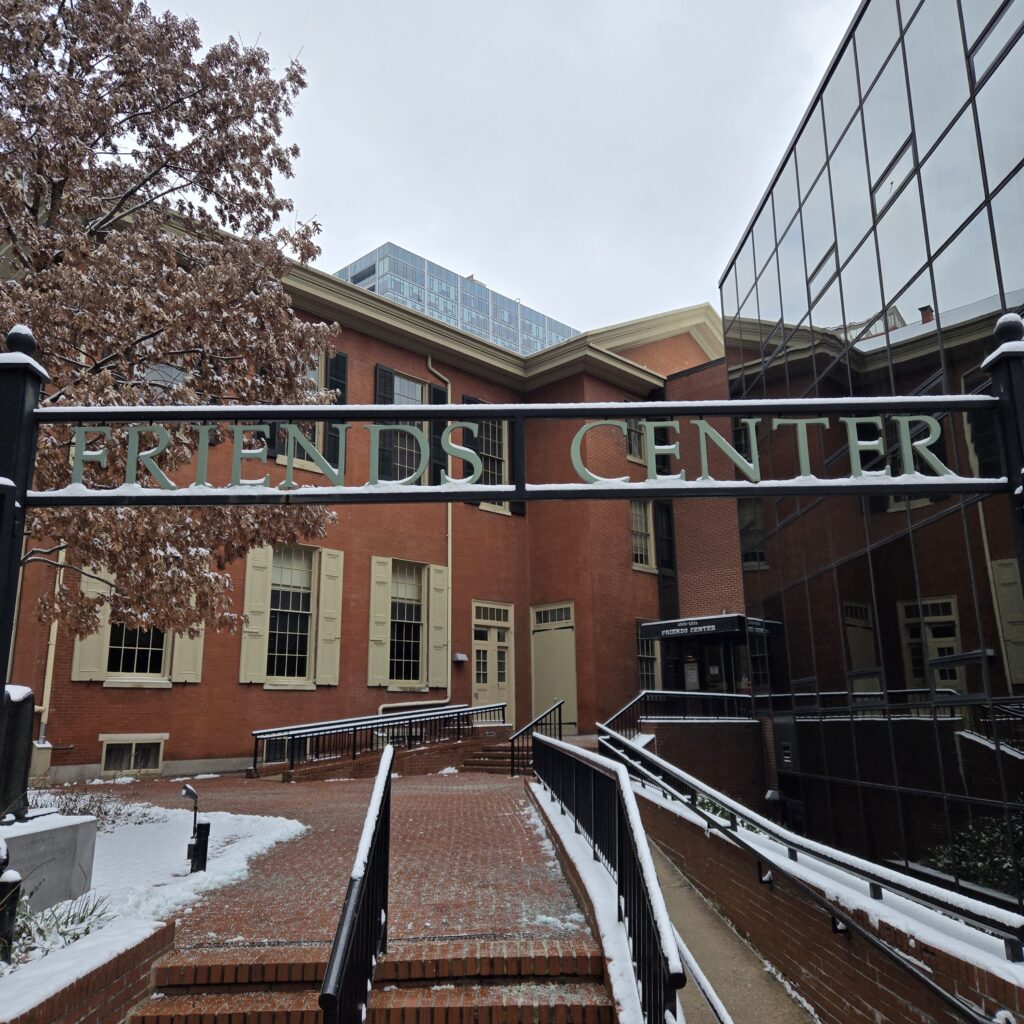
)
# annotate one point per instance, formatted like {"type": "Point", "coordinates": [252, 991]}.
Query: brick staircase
{"type": "Point", "coordinates": [441, 982]}
{"type": "Point", "coordinates": [493, 758]}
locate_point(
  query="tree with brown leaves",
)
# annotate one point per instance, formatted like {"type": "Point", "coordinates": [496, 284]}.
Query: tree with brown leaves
{"type": "Point", "coordinates": [141, 240]}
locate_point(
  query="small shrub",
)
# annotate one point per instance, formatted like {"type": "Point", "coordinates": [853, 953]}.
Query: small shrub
{"type": "Point", "coordinates": [107, 809]}
{"type": "Point", "coordinates": [36, 935]}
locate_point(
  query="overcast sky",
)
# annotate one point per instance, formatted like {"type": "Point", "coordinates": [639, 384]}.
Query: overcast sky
{"type": "Point", "coordinates": [597, 159]}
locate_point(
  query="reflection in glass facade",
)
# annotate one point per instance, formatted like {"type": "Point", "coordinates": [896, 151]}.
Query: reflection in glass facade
{"type": "Point", "coordinates": [461, 302]}
{"type": "Point", "coordinates": [889, 242]}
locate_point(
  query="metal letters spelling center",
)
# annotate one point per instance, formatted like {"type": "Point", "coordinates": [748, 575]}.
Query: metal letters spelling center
{"type": "Point", "coordinates": [892, 446]}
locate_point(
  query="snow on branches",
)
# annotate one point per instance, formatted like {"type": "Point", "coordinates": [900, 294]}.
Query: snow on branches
{"type": "Point", "coordinates": [141, 239]}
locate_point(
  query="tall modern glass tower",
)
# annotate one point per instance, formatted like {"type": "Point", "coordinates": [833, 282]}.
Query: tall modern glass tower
{"type": "Point", "coordinates": [885, 247]}
{"type": "Point", "coordinates": [461, 302]}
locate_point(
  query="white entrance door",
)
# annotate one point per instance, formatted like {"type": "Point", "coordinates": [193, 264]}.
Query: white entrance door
{"type": "Point", "coordinates": [493, 674]}
{"type": "Point", "coordinates": [554, 661]}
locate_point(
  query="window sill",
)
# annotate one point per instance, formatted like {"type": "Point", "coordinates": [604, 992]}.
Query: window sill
{"type": "Point", "coordinates": [637, 460]}
{"type": "Point", "coordinates": [136, 683]}
{"type": "Point", "coordinates": [298, 684]}
{"type": "Point", "coordinates": [501, 509]}
{"type": "Point", "coordinates": [407, 688]}
{"type": "Point", "coordinates": [303, 464]}
{"type": "Point", "coordinates": [756, 567]}
{"type": "Point", "coordinates": [649, 569]}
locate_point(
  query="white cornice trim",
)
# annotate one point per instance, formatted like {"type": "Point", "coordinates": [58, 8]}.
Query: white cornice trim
{"type": "Point", "coordinates": [701, 322]}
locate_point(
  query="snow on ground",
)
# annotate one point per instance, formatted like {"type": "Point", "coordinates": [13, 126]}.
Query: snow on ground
{"type": "Point", "coordinates": [142, 872]}
{"type": "Point", "coordinates": [601, 888]}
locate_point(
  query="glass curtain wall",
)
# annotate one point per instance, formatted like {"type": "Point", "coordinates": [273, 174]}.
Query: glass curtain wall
{"type": "Point", "coordinates": [461, 302]}
{"type": "Point", "coordinates": [888, 243]}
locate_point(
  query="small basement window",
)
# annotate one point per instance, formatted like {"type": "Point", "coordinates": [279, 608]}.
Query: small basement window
{"type": "Point", "coordinates": [143, 753]}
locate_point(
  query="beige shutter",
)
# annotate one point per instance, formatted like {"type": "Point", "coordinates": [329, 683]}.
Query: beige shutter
{"type": "Point", "coordinates": [89, 659]}
{"type": "Point", "coordinates": [437, 634]}
{"type": "Point", "coordinates": [380, 621]}
{"type": "Point", "coordinates": [328, 620]}
{"type": "Point", "coordinates": [187, 658]}
{"type": "Point", "coordinates": [1006, 577]}
{"type": "Point", "coordinates": [252, 666]}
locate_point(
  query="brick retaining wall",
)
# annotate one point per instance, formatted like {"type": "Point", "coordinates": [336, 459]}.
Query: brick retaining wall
{"type": "Point", "coordinates": [841, 976]}
{"type": "Point", "coordinates": [106, 994]}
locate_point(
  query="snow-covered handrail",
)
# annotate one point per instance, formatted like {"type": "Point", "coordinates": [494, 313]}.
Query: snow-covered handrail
{"type": "Point", "coordinates": [597, 792]}
{"type": "Point", "coordinates": [362, 934]}
{"type": "Point", "coordinates": [653, 769]}
{"type": "Point", "coordinates": [707, 990]}
{"type": "Point", "coordinates": [349, 737]}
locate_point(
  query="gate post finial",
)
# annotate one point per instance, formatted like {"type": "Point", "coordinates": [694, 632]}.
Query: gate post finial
{"type": "Point", "coordinates": [21, 339]}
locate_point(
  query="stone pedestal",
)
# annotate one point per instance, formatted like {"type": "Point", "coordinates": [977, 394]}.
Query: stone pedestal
{"type": "Point", "coordinates": [53, 853]}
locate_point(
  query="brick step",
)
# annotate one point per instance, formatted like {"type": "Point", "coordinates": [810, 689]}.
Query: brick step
{"type": "Point", "coordinates": [270, 1007]}
{"type": "Point", "coordinates": [494, 960]}
{"type": "Point", "coordinates": [510, 1003]}
{"type": "Point", "coordinates": [488, 768]}
{"type": "Point", "coordinates": [243, 967]}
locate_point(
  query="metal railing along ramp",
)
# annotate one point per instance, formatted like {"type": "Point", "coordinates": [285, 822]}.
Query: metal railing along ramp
{"type": "Point", "coordinates": [348, 737]}
{"type": "Point", "coordinates": [548, 723]}
{"type": "Point", "coordinates": [746, 829]}
{"type": "Point", "coordinates": [596, 792]}
{"type": "Point", "coordinates": [362, 935]}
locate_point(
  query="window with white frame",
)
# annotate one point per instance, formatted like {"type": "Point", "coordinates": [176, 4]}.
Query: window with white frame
{"type": "Point", "coordinates": [135, 652]}
{"type": "Point", "coordinates": [290, 627]}
{"type": "Point", "coordinates": [292, 633]}
{"type": "Point", "coordinates": [405, 656]}
{"type": "Point", "coordinates": [641, 523]}
{"type": "Point", "coordinates": [132, 752]}
{"type": "Point", "coordinates": [408, 624]}
{"type": "Point", "coordinates": [646, 661]}
{"type": "Point", "coordinates": [930, 632]}
{"type": "Point", "coordinates": [122, 656]}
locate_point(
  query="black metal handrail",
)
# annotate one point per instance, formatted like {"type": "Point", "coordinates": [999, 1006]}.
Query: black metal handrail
{"type": "Point", "coordinates": [548, 723]}
{"type": "Point", "coordinates": [329, 741]}
{"type": "Point", "coordinates": [678, 785]}
{"type": "Point", "coordinates": [679, 704]}
{"type": "Point", "coordinates": [336, 723]}
{"type": "Point", "coordinates": [362, 934]}
{"type": "Point", "coordinates": [597, 794]}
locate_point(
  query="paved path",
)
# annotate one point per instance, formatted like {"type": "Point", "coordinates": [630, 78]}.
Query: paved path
{"type": "Point", "coordinates": [750, 993]}
{"type": "Point", "coordinates": [469, 861]}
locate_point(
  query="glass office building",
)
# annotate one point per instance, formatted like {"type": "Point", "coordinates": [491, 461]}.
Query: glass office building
{"type": "Point", "coordinates": [460, 302]}
{"type": "Point", "coordinates": [887, 244]}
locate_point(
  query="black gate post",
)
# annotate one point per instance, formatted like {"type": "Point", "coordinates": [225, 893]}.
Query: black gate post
{"type": "Point", "coordinates": [21, 379]}
{"type": "Point", "coordinates": [1006, 368]}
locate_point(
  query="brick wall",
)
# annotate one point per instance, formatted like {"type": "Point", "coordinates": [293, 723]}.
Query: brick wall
{"type": "Point", "coordinates": [105, 995]}
{"type": "Point", "coordinates": [845, 979]}
{"type": "Point", "coordinates": [729, 756]}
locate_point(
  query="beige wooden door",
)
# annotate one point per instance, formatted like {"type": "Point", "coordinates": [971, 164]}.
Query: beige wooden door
{"type": "Point", "coordinates": [493, 651]}
{"type": "Point", "coordinates": [553, 648]}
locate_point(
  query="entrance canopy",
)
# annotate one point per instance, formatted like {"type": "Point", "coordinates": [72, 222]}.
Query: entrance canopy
{"type": "Point", "coordinates": [714, 626]}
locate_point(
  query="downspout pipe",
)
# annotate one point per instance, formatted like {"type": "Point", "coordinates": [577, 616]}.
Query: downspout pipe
{"type": "Point", "coordinates": [406, 705]}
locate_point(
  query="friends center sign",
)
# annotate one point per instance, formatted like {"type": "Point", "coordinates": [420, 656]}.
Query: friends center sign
{"type": "Point", "coordinates": [223, 454]}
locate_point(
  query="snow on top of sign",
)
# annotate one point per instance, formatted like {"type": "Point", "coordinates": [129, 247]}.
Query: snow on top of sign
{"type": "Point", "coordinates": [21, 359]}
{"type": "Point", "coordinates": [497, 410]}
{"type": "Point", "coordinates": [257, 489]}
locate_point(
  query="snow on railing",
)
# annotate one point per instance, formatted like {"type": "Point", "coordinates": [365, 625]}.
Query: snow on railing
{"type": "Point", "coordinates": [604, 809]}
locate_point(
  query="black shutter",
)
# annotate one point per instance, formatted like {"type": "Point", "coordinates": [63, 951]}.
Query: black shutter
{"type": "Point", "coordinates": [664, 537]}
{"type": "Point", "coordinates": [337, 380]}
{"type": "Point", "coordinates": [385, 395]}
{"type": "Point", "coordinates": [438, 462]}
{"type": "Point", "coordinates": [470, 441]}
{"type": "Point", "coordinates": [517, 508]}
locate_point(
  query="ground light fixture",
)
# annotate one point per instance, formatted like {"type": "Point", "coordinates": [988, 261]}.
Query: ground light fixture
{"type": "Point", "coordinates": [199, 843]}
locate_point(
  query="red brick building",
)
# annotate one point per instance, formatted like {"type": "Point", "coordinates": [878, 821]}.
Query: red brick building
{"type": "Point", "coordinates": [403, 604]}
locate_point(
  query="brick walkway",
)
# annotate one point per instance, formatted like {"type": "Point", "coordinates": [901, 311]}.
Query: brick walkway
{"type": "Point", "coordinates": [467, 864]}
